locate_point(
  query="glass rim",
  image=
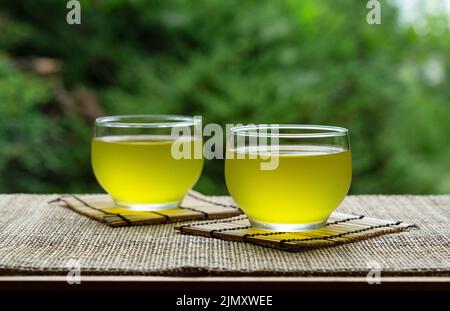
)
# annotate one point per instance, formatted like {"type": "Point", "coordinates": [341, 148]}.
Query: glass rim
{"type": "Point", "coordinates": [321, 130]}
{"type": "Point", "coordinates": [148, 121]}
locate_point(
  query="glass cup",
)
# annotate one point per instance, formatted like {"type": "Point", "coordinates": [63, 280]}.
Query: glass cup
{"type": "Point", "coordinates": [288, 177]}
{"type": "Point", "coordinates": [134, 159]}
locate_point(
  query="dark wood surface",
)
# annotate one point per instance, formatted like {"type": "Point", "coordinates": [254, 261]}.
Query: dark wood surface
{"type": "Point", "coordinates": [154, 283]}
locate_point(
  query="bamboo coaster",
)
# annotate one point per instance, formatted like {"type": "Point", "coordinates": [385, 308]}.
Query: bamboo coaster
{"type": "Point", "coordinates": [340, 228]}
{"type": "Point", "coordinates": [195, 206]}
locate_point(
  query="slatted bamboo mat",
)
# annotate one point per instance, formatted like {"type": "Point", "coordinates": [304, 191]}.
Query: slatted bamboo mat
{"type": "Point", "coordinates": [341, 228]}
{"type": "Point", "coordinates": [195, 206]}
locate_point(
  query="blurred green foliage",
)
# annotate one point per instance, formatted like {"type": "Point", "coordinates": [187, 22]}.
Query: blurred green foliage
{"type": "Point", "coordinates": [230, 61]}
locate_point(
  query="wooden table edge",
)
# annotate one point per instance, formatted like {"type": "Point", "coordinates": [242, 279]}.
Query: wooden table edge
{"type": "Point", "coordinates": [235, 283]}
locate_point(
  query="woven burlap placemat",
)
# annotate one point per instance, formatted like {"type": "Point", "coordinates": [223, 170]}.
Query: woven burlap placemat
{"type": "Point", "coordinates": [41, 238]}
{"type": "Point", "coordinates": [194, 206]}
{"type": "Point", "coordinates": [340, 229]}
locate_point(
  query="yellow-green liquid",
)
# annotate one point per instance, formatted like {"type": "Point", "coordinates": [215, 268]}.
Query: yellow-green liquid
{"type": "Point", "coordinates": [308, 184]}
{"type": "Point", "coordinates": [142, 170]}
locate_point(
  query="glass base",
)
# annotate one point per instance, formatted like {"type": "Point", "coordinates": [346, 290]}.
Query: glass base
{"type": "Point", "coordinates": [147, 207]}
{"type": "Point", "coordinates": [287, 227]}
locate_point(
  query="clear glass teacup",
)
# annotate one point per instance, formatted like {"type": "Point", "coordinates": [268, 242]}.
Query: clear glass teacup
{"type": "Point", "coordinates": [288, 177]}
{"type": "Point", "coordinates": [133, 159]}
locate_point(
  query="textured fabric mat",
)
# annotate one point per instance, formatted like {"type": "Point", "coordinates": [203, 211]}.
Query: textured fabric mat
{"type": "Point", "coordinates": [195, 206]}
{"type": "Point", "coordinates": [340, 229]}
{"type": "Point", "coordinates": [41, 238]}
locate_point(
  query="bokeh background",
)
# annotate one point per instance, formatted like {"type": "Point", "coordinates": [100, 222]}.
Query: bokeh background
{"type": "Point", "coordinates": [233, 61]}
